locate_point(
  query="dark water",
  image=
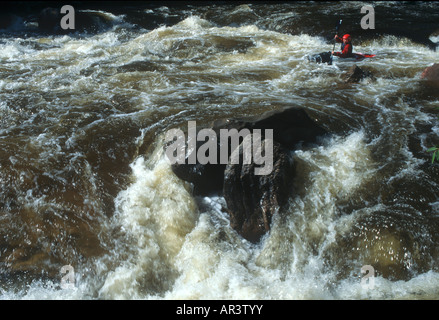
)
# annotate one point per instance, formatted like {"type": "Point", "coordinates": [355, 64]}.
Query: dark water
{"type": "Point", "coordinates": [84, 182]}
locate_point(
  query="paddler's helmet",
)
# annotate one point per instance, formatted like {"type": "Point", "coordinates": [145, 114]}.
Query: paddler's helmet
{"type": "Point", "coordinates": [347, 37]}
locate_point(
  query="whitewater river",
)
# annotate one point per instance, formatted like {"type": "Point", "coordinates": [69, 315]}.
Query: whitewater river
{"type": "Point", "coordinates": [84, 181]}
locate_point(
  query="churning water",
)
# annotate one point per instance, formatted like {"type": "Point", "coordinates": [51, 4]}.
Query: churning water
{"type": "Point", "coordinates": [84, 181]}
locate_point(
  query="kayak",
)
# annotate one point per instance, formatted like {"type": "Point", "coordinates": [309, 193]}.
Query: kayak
{"type": "Point", "coordinates": [357, 57]}
{"type": "Point", "coordinates": [327, 57]}
{"type": "Point", "coordinates": [323, 57]}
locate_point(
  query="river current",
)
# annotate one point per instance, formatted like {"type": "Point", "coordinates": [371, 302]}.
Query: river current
{"type": "Point", "coordinates": [84, 181]}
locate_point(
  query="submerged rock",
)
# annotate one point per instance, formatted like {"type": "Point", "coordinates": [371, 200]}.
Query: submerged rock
{"type": "Point", "coordinates": [356, 74]}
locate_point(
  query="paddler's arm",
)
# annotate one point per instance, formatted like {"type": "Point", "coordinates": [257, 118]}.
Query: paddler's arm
{"type": "Point", "coordinates": [338, 39]}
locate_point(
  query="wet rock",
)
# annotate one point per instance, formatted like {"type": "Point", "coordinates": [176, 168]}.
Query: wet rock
{"type": "Point", "coordinates": [431, 73]}
{"type": "Point", "coordinates": [292, 127]}
{"type": "Point", "coordinates": [431, 76]}
{"type": "Point", "coordinates": [49, 20]}
{"type": "Point", "coordinates": [251, 199]}
{"type": "Point", "coordinates": [356, 74]}
{"type": "Point", "coordinates": [207, 179]}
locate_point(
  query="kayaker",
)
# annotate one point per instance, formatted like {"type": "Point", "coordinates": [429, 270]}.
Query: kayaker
{"type": "Point", "coordinates": [346, 46]}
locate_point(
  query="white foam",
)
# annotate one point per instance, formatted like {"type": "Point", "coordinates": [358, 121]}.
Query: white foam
{"type": "Point", "coordinates": [156, 212]}
{"type": "Point", "coordinates": [215, 263]}
{"type": "Point", "coordinates": [163, 246]}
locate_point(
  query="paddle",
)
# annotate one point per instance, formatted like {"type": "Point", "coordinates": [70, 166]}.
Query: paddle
{"type": "Point", "coordinates": [336, 32]}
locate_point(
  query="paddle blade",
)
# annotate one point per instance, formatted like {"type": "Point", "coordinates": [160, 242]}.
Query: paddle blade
{"type": "Point", "coordinates": [338, 26]}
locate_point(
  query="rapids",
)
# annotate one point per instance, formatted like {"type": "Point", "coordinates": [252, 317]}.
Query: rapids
{"type": "Point", "coordinates": [84, 181]}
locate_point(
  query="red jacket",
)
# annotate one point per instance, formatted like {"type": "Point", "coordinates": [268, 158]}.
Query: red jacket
{"type": "Point", "coordinates": [346, 49]}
